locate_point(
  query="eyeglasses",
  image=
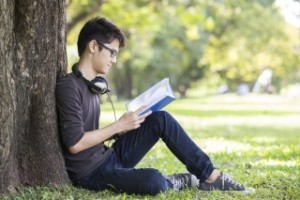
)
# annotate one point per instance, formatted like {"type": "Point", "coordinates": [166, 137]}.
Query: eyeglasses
{"type": "Point", "coordinates": [113, 52]}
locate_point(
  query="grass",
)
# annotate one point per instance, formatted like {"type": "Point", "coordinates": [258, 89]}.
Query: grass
{"type": "Point", "coordinates": [254, 138]}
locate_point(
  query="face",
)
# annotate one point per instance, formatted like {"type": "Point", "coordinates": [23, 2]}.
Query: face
{"type": "Point", "coordinates": [102, 60]}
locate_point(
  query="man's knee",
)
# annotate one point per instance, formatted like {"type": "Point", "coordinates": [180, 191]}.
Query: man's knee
{"type": "Point", "coordinates": [160, 117]}
{"type": "Point", "coordinates": [160, 114]}
{"type": "Point", "coordinates": [160, 121]}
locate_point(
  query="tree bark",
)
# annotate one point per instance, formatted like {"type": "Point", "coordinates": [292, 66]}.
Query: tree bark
{"type": "Point", "coordinates": [7, 99]}
{"type": "Point", "coordinates": [32, 56]}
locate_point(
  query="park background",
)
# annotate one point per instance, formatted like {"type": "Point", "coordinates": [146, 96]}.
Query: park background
{"type": "Point", "coordinates": [196, 43]}
{"type": "Point", "coordinates": [234, 66]}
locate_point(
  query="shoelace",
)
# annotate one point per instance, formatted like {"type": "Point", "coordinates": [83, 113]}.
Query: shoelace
{"type": "Point", "coordinates": [227, 178]}
{"type": "Point", "coordinates": [179, 182]}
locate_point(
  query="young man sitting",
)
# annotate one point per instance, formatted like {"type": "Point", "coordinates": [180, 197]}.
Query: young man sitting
{"type": "Point", "coordinates": [93, 165]}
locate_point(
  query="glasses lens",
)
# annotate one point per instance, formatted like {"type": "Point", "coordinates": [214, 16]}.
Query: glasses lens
{"type": "Point", "coordinates": [113, 52]}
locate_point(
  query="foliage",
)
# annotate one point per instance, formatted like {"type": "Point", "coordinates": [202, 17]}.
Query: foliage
{"type": "Point", "coordinates": [252, 138]}
{"type": "Point", "coordinates": [251, 37]}
{"type": "Point", "coordinates": [188, 40]}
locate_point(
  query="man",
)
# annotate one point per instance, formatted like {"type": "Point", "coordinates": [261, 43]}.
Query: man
{"type": "Point", "coordinates": [91, 164]}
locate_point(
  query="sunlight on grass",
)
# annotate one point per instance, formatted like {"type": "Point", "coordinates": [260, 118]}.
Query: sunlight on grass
{"type": "Point", "coordinates": [255, 139]}
{"type": "Point", "coordinates": [288, 163]}
{"type": "Point", "coordinates": [264, 139]}
{"type": "Point", "coordinates": [217, 145]}
{"type": "Point", "coordinates": [291, 120]}
{"type": "Point", "coordinates": [292, 108]}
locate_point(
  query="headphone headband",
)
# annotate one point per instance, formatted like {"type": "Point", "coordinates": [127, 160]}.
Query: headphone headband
{"type": "Point", "coordinates": [98, 85]}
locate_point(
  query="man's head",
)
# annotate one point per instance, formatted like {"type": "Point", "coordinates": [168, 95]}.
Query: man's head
{"type": "Point", "coordinates": [100, 30]}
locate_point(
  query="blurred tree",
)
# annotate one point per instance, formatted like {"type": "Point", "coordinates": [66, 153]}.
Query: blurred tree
{"type": "Point", "coordinates": [164, 40]}
{"type": "Point", "coordinates": [79, 10]}
{"type": "Point", "coordinates": [139, 23]}
{"type": "Point", "coordinates": [188, 40]}
{"type": "Point", "coordinates": [178, 46]}
{"type": "Point", "coordinates": [249, 37]}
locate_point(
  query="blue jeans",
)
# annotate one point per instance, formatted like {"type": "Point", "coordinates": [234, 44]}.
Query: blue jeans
{"type": "Point", "coordinates": [118, 171]}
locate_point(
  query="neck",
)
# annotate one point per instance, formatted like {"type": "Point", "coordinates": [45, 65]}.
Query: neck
{"type": "Point", "coordinates": [86, 69]}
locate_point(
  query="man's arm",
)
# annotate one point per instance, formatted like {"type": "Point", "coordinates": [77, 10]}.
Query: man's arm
{"type": "Point", "coordinates": [127, 122]}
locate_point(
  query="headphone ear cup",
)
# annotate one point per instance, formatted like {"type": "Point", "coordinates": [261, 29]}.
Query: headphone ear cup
{"type": "Point", "coordinates": [99, 85]}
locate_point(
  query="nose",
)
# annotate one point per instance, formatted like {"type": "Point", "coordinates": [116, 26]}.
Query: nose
{"type": "Point", "coordinates": [114, 59]}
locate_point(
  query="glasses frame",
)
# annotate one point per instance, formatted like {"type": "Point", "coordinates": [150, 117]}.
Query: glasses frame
{"type": "Point", "coordinates": [113, 52]}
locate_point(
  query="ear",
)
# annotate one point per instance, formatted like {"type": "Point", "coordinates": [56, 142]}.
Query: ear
{"type": "Point", "coordinates": [92, 46]}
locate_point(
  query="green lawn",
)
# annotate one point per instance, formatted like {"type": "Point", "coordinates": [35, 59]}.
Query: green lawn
{"type": "Point", "coordinates": [255, 139]}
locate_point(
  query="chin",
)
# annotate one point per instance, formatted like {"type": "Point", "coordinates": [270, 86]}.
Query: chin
{"type": "Point", "coordinates": [106, 72]}
{"type": "Point", "coordinates": [103, 72]}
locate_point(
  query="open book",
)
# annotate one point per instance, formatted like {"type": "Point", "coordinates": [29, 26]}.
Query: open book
{"type": "Point", "coordinates": [154, 98]}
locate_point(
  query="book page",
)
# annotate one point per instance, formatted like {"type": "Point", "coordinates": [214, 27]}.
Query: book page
{"type": "Point", "coordinates": [151, 96]}
{"type": "Point", "coordinates": [155, 97]}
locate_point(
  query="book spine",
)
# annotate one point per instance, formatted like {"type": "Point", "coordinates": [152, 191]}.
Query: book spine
{"type": "Point", "coordinates": [162, 103]}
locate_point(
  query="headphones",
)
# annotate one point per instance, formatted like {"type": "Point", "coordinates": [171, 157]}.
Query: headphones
{"type": "Point", "coordinates": [98, 85]}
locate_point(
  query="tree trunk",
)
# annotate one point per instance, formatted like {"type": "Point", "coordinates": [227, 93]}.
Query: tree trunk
{"type": "Point", "coordinates": [32, 52]}
{"type": "Point", "coordinates": [123, 82]}
{"type": "Point", "coordinates": [7, 98]}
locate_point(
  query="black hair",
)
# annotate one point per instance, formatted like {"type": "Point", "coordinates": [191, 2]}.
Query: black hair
{"type": "Point", "coordinates": [101, 30]}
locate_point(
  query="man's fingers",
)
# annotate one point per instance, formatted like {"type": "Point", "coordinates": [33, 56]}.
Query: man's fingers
{"type": "Point", "coordinates": [143, 113]}
{"type": "Point", "coordinates": [139, 110]}
{"type": "Point", "coordinates": [146, 114]}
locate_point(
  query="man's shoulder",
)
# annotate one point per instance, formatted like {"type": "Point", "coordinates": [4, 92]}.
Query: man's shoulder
{"type": "Point", "coordinates": [66, 83]}
{"type": "Point", "coordinates": [67, 78]}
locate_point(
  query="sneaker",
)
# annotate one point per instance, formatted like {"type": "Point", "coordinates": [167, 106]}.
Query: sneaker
{"type": "Point", "coordinates": [182, 180]}
{"type": "Point", "coordinates": [224, 183]}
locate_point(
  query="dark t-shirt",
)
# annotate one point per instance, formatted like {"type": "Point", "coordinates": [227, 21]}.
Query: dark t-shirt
{"type": "Point", "coordinates": [78, 111]}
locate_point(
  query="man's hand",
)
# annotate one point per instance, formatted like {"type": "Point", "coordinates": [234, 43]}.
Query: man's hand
{"type": "Point", "coordinates": [131, 120]}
